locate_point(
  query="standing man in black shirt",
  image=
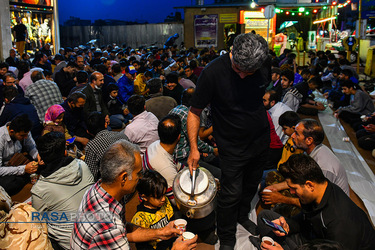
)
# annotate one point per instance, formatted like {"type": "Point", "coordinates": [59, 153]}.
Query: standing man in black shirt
{"type": "Point", "coordinates": [20, 34]}
{"type": "Point", "coordinates": [234, 85]}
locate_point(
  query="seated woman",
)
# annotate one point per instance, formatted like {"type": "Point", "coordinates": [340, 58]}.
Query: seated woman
{"type": "Point", "coordinates": [360, 104]}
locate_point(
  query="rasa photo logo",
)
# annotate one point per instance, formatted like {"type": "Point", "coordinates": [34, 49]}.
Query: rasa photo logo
{"type": "Point", "coordinates": [69, 217]}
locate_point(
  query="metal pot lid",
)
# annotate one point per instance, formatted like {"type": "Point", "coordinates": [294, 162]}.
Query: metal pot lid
{"type": "Point", "coordinates": [201, 182]}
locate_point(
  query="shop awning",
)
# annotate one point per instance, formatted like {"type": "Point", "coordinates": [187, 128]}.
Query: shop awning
{"type": "Point", "coordinates": [287, 24]}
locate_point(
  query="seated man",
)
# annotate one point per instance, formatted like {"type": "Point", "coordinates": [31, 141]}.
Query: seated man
{"type": "Point", "coordinates": [276, 109]}
{"type": "Point", "coordinates": [94, 96]}
{"type": "Point", "coordinates": [42, 93]}
{"type": "Point", "coordinates": [12, 60]}
{"type": "Point", "coordinates": [42, 62]}
{"type": "Point", "coordinates": [189, 74]}
{"type": "Point", "coordinates": [182, 149]}
{"type": "Point", "coordinates": [309, 136]}
{"type": "Point", "coordinates": [9, 79]}
{"type": "Point", "coordinates": [62, 183]}
{"type": "Point", "coordinates": [327, 212]}
{"type": "Point", "coordinates": [126, 84]}
{"type": "Point", "coordinates": [173, 88]}
{"type": "Point", "coordinates": [206, 130]}
{"type": "Point", "coordinates": [64, 78]}
{"type": "Point", "coordinates": [4, 67]}
{"type": "Point", "coordinates": [120, 167]}
{"type": "Point", "coordinates": [159, 155]}
{"type": "Point", "coordinates": [366, 135]}
{"type": "Point", "coordinates": [74, 118]}
{"type": "Point", "coordinates": [275, 84]}
{"type": "Point", "coordinates": [158, 104]}
{"type": "Point", "coordinates": [335, 94]}
{"type": "Point", "coordinates": [81, 80]}
{"type": "Point", "coordinates": [16, 105]}
{"type": "Point", "coordinates": [308, 105]}
{"type": "Point", "coordinates": [60, 63]}
{"type": "Point", "coordinates": [143, 130]}
{"type": "Point", "coordinates": [97, 126]}
{"type": "Point", "coordinates": [15, 137]}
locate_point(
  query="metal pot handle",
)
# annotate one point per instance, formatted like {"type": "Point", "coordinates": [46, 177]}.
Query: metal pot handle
{"type": "Point", "coordinates": [191, 200]}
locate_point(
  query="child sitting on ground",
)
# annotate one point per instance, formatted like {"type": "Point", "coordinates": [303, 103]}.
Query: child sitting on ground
{"type": "Point", "coordinates": [155, 210]}
{"type": "Point", "coordinates": [288, 121]}
{"type": "Point", "coordinates": [53, 121]}
{"type": "Point", "coordinates": [119, 114]}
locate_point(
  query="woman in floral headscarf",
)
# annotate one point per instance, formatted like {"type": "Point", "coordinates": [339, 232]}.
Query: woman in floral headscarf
{"type": "Point", "coordinates": [53, 121]}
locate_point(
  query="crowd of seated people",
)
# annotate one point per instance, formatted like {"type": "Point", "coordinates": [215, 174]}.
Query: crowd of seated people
{"type": "Point", "coordinates": [126, 110]}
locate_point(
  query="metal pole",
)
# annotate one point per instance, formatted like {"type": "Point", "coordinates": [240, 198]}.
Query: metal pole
{"type": "Point", "coordinates": [268, 30]}
{"type": "Point", "coordinates": [56, 45]}
{"type": "Point", "coordinates": [304, 57]}
{"type": "Point", "coordinates": [298, 56]}
{"type": "Point", "coordinates": [359, 33]}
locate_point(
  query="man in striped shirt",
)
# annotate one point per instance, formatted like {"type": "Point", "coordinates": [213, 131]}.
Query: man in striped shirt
{"type": "Point", "coordinates": [121, 168]}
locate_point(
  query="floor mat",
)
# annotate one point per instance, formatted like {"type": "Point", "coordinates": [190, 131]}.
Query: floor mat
{"type": "Point", "coordinates": [361, 179]}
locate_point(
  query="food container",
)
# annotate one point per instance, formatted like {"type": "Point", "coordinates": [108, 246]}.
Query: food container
{"type": "Point", "coordinates": [204, 194]}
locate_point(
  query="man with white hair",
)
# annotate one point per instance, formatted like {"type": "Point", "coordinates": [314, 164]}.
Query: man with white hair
{"type": "Point", "coordinates": [234, 85]}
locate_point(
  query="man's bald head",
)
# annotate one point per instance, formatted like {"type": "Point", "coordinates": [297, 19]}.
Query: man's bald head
{"type": "Point", "coordinates": [37, 75]}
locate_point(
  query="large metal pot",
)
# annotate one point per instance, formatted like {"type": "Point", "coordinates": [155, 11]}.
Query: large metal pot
{"type": "Point", "coordinates": [203, 200]}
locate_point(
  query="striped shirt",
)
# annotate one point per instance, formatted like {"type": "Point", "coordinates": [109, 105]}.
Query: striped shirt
{"type": "Point", "coordinates": [43, 94]}
{"type": "Point", "coordinates": [105, 235]}
{"type": "Point", "coordinates": [182, 149]}
{"type": "Point", "coordinates": [96, 148]}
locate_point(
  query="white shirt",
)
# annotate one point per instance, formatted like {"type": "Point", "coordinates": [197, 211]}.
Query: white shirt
{"type": "Point", "coordinates": [331, 166]}
{"type": "Point", "coordinates": [26, 79]}
{"type": "Point", "coordinates": [143, 130]}
{"type": "Point", "coordinates": [276, 111]}
{"type": "Point", "coordinates": [8, 148]}
{"type": "Point", "coordinates": [162, 162]}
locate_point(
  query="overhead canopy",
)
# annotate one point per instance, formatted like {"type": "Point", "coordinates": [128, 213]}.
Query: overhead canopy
{"type": "Point", "coordinates": [287, 24]}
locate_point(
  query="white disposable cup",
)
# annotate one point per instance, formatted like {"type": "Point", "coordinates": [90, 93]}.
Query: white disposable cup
{"type": "Point", "coordinates": [268, 240]}
{"type": "Point", "coordinates": [180, 224]}
{"type": "Point", "coordinates": [267, 190]}
{"type": "Point", "coordinates": [363, 118]}
{"type": "Point", "coordinates": [187, 236]}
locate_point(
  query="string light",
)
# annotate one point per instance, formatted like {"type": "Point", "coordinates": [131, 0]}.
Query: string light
{"type": "Point", "coordinates": [325, 20]}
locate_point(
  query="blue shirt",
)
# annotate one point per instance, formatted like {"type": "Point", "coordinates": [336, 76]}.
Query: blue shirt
{"type": "Point", "coordinates": [126, 88]}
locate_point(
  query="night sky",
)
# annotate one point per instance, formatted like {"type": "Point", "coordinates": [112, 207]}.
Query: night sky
{"type": "Point", "coordinates": [153, 11]}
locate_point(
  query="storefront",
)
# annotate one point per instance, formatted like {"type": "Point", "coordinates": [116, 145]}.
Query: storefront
{"type": "Point", "coordinates": [255, 21]}
{"type": "Point", "coordinates": [41, 20]}
{"type": "Point", "coordinates": [326, 27]}
{"type": "Point", "coordinates": [217, 26]}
